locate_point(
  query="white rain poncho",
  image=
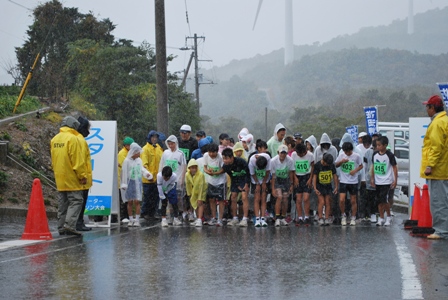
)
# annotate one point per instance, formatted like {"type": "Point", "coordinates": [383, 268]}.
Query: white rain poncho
{"type": "Point", "coordinates": [274, 142]}
{"type": "Point", "coordinates": [176, 160]}
{"type": "Point", "coordinates": [131, 175]}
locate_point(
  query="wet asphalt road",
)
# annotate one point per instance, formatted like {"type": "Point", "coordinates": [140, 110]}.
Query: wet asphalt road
{"type": "Point", "coordinates": [362, 262]}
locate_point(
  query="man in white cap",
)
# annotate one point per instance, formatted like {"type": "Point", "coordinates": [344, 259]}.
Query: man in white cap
{"type": "Point", "coordinates": [360, 135]}
{"type": "Point", "coordinates": [187, 144]}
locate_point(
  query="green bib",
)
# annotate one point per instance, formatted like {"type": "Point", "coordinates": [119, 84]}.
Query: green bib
{"type": "Point", "coordinates": [380, 168]}
{"type": "Point", "coordinates": [302, 166]}
{"type": "Point", "coordinates": [347, 167]}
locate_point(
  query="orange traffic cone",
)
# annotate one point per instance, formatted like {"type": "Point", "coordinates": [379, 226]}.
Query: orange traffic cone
{"type": "Point", "coordinates": [416, 207]}
{"type": "Point", "coordinates": [36, 227]}
{"type": "Point", "coordinates": [424, 227]}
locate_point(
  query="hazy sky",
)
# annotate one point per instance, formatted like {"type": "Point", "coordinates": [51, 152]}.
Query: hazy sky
{"type": "Point", "coordinates": [226, 24]}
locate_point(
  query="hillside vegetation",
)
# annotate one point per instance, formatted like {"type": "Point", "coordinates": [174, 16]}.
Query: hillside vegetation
{"type": "Point", "coordinates": [377, 66]}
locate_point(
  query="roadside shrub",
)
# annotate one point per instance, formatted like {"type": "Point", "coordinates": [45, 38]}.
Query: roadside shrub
{"type": "Point", "coordinates": [3, 179]}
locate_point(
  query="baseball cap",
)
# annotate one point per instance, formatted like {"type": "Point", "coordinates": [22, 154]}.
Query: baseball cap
{"type": "Point", "coordinates": [361, 134]}
{"type": "Point", "coordinates": [435, 100]}
{"type": "Point", "coordinates": [297, 135]}
{"type": "Point", "coordinates": [186, 128]}
{"type": "Point", "coordinates": [128, 140]}
{"type": "Point", "coordinates": [282, 148]}
{"type": "Point", "coordinates": [224, 136]}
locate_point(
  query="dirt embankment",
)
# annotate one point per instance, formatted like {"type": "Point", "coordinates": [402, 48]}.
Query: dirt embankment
{"type": "Point", "coordinates": [29, 142]}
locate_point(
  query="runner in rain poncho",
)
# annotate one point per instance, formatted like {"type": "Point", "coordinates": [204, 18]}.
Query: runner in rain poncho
{"type": "Point", "coordinates": [175, 158]}
{"type": "Point", "coordinates": [131, 182]}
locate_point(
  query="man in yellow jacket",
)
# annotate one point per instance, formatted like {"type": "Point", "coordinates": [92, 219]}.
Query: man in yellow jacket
{"type": "Point", "coordinates": [151, 155]}
{"type": "Point", "coordinates": [70, 173]}
{"type": "Point", "coordinates": [83, 132]}
{"type": "Point", "coordinates": [434, 165]}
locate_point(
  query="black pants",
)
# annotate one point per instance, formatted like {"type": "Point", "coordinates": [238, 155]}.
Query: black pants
{"type": "Point", "coordinates": [150, 199]}
{"type": "Point", "coordinates": [165, 204]}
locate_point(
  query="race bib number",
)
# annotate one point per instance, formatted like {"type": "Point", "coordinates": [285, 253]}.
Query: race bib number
{"type": "Point", "coordinates": [213, 169]}
{"type": "Point", "coordinates": [186, 153]}
{"type": "Point", "coordinates": [260, 174]}
{"type": "Point", "coordinates": [380, 168]}
{"type": "Point", "coordinates": [172, 163]}
{"type": "Point", "coordinates": [325, 177]}
{"type": "Point", "coordinates": [283, 173]}
{"type": "Point", "coordinates": [302, 166]}
{"type": "Point", "coordinates": [238, 174]}
{"type": "Point", "coordinates": [347, 167]}
{"type": "Point", "coordinates": [135, 173]}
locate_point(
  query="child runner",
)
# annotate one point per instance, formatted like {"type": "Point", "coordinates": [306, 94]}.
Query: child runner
{"type": "Point", "coordinates": [239, 174]}
{"type": "Point", "coordinates": [350, 163]}
{"type": "Point", "coordinates": [196, 190]}
{"type": "Point", "coordinates": [216, 190]}
{"type": "Point", "coordinates": [166, 185]}
{"type": "Point", "coordinates": [384, 177]}
{"type": "Point", "coordinates": [303, 182]}
{"type": "Point", "coordinates": [175, 159]}
{"type": "Point", "coordinates": [323, 175]}
{"type": "Point", "coordinates": [282, 169]}
{"type": "Point", "coordinates": [260, 169]}
{"type": "Point", "coordinates": [132, 172]}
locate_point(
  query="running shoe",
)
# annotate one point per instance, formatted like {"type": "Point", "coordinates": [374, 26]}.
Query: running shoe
{"type": "Point", "coordinates": [164, 223]}
{"type": "Point", "coordinates": [283, 222]}
{"type": "Point", "coordinates": [233, 222]}
{"type": "Point", "coordinates": [321, 222]}
{"type": "Point", "coordinates": [353, 222]}
{"type": "Point", "coordinates": [198, 223]}
{"type": "Point", "coordinates": [177, 222]}
{"type": "Point", "coordinates": [277, 223]}
{"type": "Point", "coordinates": [263, 223]}
{"type": "Point", "coordinates": [243, 223]}
{"type": "Point", "coordinates": [380, 222]}
{"type": "Point", "coordinates": [257, 223]}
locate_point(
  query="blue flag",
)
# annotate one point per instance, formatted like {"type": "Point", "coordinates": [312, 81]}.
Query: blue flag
{"type": "Point", "coordinates": [443, 87]}
{"type": "Point", "coordinates": [371, 113]}
{"type": "Point", "coordinates": [353, 131]}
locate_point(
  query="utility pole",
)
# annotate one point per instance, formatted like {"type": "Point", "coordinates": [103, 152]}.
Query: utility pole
{"type": "Point", "coordinates": [161, 68]}
{"type": "Point", "coordinates": [196, 69]}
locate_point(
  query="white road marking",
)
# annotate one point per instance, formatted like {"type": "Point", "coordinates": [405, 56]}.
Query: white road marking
{"type": "Point", "coordinates": [411, 287]}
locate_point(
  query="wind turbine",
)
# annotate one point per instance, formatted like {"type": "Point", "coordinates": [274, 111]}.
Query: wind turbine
{"type": "Point", "coordinates": [289, 45]}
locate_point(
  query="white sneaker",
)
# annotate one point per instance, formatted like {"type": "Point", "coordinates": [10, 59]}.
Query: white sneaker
{"type": "Point", "coordinates": [283, 222]}
{"type": "Point", "coordinates": [131, 223]}
{"type": "Point", "coordinates": [257, 223]}
{"type": "Point", "coordinates": [219, 223]}
{"type": "Point", "coordinates": [353, 222]}
{"type": "Point", "coordinates": [373, 218]}
{"type": "Point", "coordinates": [388, 220]}
{"type": "Point", "coordinates": [243, 223]}
{"type": "Point", "coordinates": [391, 212]}
{"type": "Point", "coordinates": [212, 222]}
{"type": "Point", "coordinates": [164, 223]}
{"type": "Point", "coordinates": [191, 217]}
{"type": "Point", "coordinates": [321, 222]}
{"type": "Point", "coordinates": [344, 221]}
{"type": "Point", "coordinates": [233, 222]}
{"type": "Point", "coordinates": [125, 220]}
{"type": "Point", "coordinates": [198, 223]}
{"type": "Point", "coordinates": [177, 222]}
{"type": "Point", "coordinates": [136, 224]}
{"type": "Point", "coordinates": [380, 222]}
{"type": "Point", "coordinates": [263, 223]}
{"type": "Point", "coordinates": [277, 223]}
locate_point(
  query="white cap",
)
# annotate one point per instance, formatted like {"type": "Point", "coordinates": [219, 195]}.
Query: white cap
{"type": "Point", "coordinates": [361, 134]}
{"type": "Point", "coordinates": [282, 148]}
{"type": "Point", "coordinates": [185, 127]}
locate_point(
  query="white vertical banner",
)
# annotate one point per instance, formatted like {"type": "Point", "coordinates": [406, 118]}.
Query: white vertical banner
{"type": "Point", "coordinates": [417, 131]}
{"type": "Point", "coordinates": [103, 196]}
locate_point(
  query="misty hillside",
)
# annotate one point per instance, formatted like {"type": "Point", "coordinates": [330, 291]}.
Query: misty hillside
{"type": "Point", "coordinates": [430, 28]}
{"type": "Point", "coordinates": [381, 58]}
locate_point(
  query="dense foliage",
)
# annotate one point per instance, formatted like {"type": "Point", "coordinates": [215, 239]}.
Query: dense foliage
{"type": "Point", "coordinates": [103, 78]}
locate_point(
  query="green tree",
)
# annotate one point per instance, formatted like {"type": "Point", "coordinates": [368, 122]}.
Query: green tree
{"type": "Point", "coordinates": [55, 26]}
